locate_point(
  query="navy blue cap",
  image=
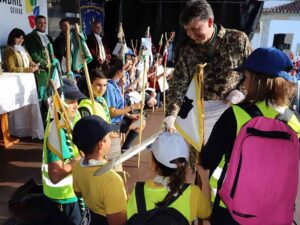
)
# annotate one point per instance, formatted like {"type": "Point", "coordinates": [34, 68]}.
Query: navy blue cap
{"type": "Point", "coordinates": [269, 61]}
{"type": "Point", "coordinates": [71, 91]}
{"type": "Point", "coordinates": [89, 130]}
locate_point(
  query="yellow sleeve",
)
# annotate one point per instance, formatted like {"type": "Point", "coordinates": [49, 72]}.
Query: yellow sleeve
{"type": "Point", "coordinates": [200, 203]}
{"type": "Point", "coordinates": [131, 205]}
{"type": "Point", "coordinates": [115, 198]}
{"type": "Point", "coordinates": [75, 177]}
{"type": "Point", "coordinates": [10, 60]}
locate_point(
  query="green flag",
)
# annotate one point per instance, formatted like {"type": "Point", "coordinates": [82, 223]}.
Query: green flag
{"type": "Point", "coordinates": [77, 57]}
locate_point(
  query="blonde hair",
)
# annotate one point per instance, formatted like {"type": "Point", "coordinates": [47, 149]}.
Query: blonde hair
{"type": "Point", "coordinates": [274, 90]}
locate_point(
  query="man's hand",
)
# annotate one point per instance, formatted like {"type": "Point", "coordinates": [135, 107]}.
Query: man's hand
{"type": "Point", "coordinates": [234, 97]}
{"type": "Point", "coordinates": [169, 124]}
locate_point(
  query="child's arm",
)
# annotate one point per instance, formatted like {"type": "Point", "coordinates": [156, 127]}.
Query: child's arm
{"type": "Point", "coordinates": [58, 171]}
{"type": "Point", "coordinates": [117, 218]}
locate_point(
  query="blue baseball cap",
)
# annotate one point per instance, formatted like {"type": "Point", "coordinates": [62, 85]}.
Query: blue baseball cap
{"type": "Point", "coordinates": [269, 61]}
{"type": "Point", "coordinates": [89, 130]}
{"type": "Point", "coordinates": [71, 91]}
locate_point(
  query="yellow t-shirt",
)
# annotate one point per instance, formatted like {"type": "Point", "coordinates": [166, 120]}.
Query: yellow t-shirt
{"type": "Point", "coordinates": [104, 194]}
{"type": "Point", "coordinates": [198, 207]}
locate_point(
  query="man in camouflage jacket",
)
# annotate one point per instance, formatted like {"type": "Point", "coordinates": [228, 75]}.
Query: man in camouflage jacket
{"type": "Point", "coordinates": [222, 49]}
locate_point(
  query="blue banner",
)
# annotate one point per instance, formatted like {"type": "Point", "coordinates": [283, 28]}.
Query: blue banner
{"type": "Point", "coordinates": [91, 11]}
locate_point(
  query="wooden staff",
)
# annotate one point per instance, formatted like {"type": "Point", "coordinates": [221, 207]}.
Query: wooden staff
{"type": "Point", "coordinates": [157, 56]}
{"type": "Point", "coordinates": [143, 98]}
{"type": "Point", "coordinates": [142, 108]}
{"type": "Point", "coordinates": [121, 39]}
{"type": "Point", "coordinates": [134, 47]}
{"type": "Point", "coordinates": [61, 108]}
{"type": "Point", "coordinates": [86, 71]}
{"type": "Point", "coordinates": [201, 84]}
{"type": "Point", "coordinates": [68, 50]}
{"type": "Point", "coordinates": [165, 69]}
{"type": "Point", "coordinates": [200, 78]}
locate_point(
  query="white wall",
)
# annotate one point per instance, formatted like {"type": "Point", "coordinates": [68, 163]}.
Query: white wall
{"type": "Point", "coordinates": [284, 27]}
{"type": "Point", "coordinates": [12, 16]}
{"type": "Point", "coordinates": [269, 27]}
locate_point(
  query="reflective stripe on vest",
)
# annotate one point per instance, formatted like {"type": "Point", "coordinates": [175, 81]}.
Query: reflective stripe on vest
{"type": "Point", "coordinates": [99, 110]}
{"type": "Point", "coordinates": [242, 117]}
{"type": "Point", "coordinates": [213, 181]}
{"type": "Point", "coordinates": [64, 188]}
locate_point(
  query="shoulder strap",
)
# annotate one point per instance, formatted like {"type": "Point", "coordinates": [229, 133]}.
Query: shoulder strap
{"type": "Point", "coordinates": [286, 116]}
{"type": "Point", "coordinates": [174, 198]}
{"type": "Point", "coordinates": [140, 197]}
{"type": "Point", "coordinates": [252, 110]}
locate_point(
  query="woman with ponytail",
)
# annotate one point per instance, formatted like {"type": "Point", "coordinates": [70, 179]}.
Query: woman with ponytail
{"type": "Point", "coordinates": [169, 163]}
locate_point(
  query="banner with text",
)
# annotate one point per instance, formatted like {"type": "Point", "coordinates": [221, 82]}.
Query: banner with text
{"type": "Point", "coordinates": [19, 14]}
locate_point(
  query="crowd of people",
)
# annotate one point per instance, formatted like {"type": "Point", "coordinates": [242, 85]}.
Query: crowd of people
{"type": "Point", "coordinates": [260, 78]}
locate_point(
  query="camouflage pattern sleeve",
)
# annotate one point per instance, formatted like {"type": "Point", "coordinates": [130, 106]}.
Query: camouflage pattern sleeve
{"type": "Point", "coordinates": [179, 83]}
{"type": "Point", "coordinates": [244, 51]}
{"type": "Point", "coordinates": [222, 79]}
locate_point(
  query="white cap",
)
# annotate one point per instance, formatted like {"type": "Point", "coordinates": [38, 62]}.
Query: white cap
{"type": "Point", "coordinates": [169, 146]}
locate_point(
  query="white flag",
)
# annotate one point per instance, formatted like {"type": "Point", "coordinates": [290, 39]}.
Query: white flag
{"type": "Point", "coordinates": [188, 119]}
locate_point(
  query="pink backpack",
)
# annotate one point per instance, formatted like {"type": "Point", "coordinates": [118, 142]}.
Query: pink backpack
{"type": "Point", "coordinates": [260, 185]}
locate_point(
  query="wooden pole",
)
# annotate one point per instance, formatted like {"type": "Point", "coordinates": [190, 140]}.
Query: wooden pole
{"type": "Point", "coordinates": [143, 99]}
{"type": "Point", "coordinates": [165, 69]}
{"type": "Point", "coordinates": [86, 71]}
{"type": "Point", "coordinates": [201, 82]}
{"type": "Point", "coordinates": [68, 50]}
{"type": "Point", "coordinates": [200, 78]}
{"type": "Point", "coordinates": [63, 112]}
{"type": "Point", "coordinates": [157, 56]}
{"type": "Point", "coordinates": [62, 108]}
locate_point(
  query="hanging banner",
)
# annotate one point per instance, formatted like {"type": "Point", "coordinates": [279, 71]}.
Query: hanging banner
{"type": "Point", "coordinates": [19, 14]}
{"type": "Point", "coordinates": [91, 11]}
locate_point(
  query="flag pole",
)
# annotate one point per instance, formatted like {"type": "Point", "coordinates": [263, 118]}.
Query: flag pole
{"type": "Point", "coordinates": [201, 119]}
{"type": "Point", "coordinates": [157, 56]}
{"type": "Point", "coordinates": [86, 71]}
{"type": "Point", "coordinates": [62, 109]}
{"type": "Point", "coordinates": [121, 39]}
{"type": "Point", "coordinates": [143, 97]}
{"type": "Point", "coordinates": [68, 50]}
{"type": "Point", "coordinates": [200, 69]}
{"type": "Point", "coordinates": [165, 68]}
{"type": "Point", "coordinates": [142, 108]}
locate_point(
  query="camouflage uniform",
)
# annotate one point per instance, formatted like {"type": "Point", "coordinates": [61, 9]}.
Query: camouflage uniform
{"type": "Point", "coordinates": [230, 50]}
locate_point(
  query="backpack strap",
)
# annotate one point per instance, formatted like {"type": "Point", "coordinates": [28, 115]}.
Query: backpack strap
{"type": "Point", "coordinates": [252, 110]}
{"type": "Point", "coordinates": [140, 197]}
{"type": "Point", "coordinates": [174, 198]}
{"type": "Point", "coordinates": [286, 116]}
{"type": "Point", "coordinates": [219, 185]}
